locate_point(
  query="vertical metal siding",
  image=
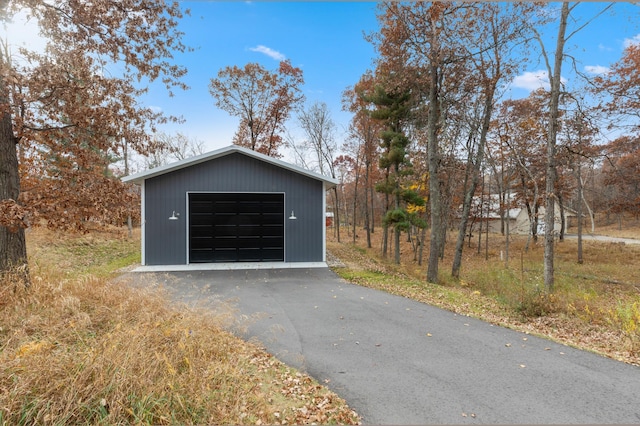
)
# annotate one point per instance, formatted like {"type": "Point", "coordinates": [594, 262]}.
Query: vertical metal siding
{"type": "Point", "coordinates": [165, 240]}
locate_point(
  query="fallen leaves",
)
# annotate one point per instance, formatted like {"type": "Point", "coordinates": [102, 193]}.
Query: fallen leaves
{"type": "Point", "coordinates": [315, 404]}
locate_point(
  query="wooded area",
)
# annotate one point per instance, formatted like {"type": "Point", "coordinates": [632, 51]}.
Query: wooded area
{"type": "Point", "coordinates": [434, 146]}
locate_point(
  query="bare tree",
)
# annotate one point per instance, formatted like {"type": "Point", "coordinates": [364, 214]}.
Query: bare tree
{"type": "Point", "coordinates": [319, 129]}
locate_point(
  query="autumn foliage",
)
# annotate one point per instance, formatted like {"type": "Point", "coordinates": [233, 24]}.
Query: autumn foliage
{"type": "Point", "coordinates": [70, 111]}
{"type": "Point", "coordinates": [261, 99]}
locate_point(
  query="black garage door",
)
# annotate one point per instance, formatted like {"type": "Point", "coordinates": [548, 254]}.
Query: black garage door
{"type": "Point", "coordinates": [227, 227]}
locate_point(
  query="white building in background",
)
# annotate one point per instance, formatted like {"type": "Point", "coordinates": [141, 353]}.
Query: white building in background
{"type": "Point", "coordinates": [517, 216]}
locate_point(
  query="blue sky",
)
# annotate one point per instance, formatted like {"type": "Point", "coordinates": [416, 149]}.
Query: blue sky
{"type": "Point", "coordinates": [326, 40]}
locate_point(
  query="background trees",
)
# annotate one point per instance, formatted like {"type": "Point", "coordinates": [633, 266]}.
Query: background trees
{"type": "Point", "coordinates": [65, 110]}
{"type": "Point", "coordinates": [172, 147]}
{"type": "Point", "coordinates": [456, 59]}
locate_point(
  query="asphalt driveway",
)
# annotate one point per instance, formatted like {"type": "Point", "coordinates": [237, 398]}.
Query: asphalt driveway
{"type": "Point", "coordinates": [397, 361]}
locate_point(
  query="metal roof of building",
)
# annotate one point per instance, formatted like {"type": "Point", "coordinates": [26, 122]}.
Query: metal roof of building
{"type": "Point", "coordinates": [157, 171]}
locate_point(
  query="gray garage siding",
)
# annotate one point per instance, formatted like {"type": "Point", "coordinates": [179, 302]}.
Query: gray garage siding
{"type": "Point", "coordinates": [166, 240]}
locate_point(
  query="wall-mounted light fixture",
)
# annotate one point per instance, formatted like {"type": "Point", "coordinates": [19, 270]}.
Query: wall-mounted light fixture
{"type": "Point", "coordinates": [174, 216]}
{"type": "Point", "coordinates": [293, 216]}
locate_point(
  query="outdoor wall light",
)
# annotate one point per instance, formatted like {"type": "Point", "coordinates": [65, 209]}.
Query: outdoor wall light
{"type": "Point", "coordinates": [174, 216]}
{"type": "Point", "coordinates": [293, 216]}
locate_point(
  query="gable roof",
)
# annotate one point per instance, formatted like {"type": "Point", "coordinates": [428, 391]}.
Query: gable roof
{"type": "Point", "coordinates": [187, 162]}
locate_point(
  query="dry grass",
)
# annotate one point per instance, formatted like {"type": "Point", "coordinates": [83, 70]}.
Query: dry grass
{"type": "Point", "coordinates": [629, 227]}
{"type": "Point", "coordinates": [595, 305]}
{"type": "Point", "coordinates": [78, 348]}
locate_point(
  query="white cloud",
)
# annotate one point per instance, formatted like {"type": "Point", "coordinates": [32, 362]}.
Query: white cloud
{"type": "Point", "coordinates": [532, 80]}
{"type": "Point", "coordinates": [604, 48]}
{"type": "Point", "coordinates": [274, 54]}
{"type": "Point", "coordinates": [596, 69]}
{"type": "Point", "coordinates": [631, 41]}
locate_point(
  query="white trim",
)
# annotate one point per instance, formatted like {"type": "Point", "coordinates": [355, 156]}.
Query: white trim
{"type": "Point", "coordinates": [143, 221]}
{"type": "Point", "coordinates": [229, 266]}
{"type": "Point", "coordinates": [324, 222]}
{"type": "Point", "coordinates": [186, 226]}
{"type": "Point", "coordinates": [140, 177]}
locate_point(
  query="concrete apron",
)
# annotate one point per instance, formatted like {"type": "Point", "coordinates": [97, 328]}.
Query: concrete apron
{"type": "Point", "coordinates": [229, 266]}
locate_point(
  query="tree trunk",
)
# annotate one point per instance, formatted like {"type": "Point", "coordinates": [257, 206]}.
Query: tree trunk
{"type": "Point", "coordinates": [464, 219]}
{"type": "Point", "coordinates": [367, 225]}
{"type": "Point", "coordinates": [549, 217]}
{"type": "Point", "coordinates": [355, 201]}
{"type": "Point", "coordinates": [476, 162]}
{"type": "Point", "coordinates": [396, 242]}
{"type": "Point", "coordinates": [579, 214]}
{"type": "Point", "coordinates": [434, 180]}
{"type": "Point", "coordinates": [423, 236]}
{"type": "Point", "coordinates": [373, 210]}
{"type": "Point", "coordinates": [385, 229]}
{"type": "Point", "coordinates": [335, 198]}
{"type": "Point", "coordinates": [13, 246]}
{"type": "Point", "coordinates": [507, 230]}
{"type": "Point", "coordinates": [584, 200]}
{"type": "Point", "coordinates": [562, 217]}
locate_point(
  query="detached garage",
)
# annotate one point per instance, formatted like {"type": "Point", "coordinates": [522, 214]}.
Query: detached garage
{"type": "Point", "coordinates": [232, 205]}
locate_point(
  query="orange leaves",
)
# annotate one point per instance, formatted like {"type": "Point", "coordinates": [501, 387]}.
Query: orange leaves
{"type": "Point", "coordinates": [70, 115]}
{"type": "Point", "coordinates": [621, 84]}
{"type": "Point", "coordinates": [12, 215]}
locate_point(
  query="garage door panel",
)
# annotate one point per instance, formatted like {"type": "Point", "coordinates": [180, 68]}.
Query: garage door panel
{"type": "Point", "coordinates": [200, 219]}
{"type": "Point", "coordinates": [224, 255]}
{"type": "Point", "coordinates": [268, 219]}
{"type": "Point", "coordinates": [200, 256]}
{"type": "Point", "coordinates": [201, 243]}
{"type": "Point", "coordinates": [273, 208]}
{"type": "Point", "coordinates": [225, 230]}
{"type": "Point", "coordinates": [244, 227]}
{"type": "Point", "coordinates": [249, 206]}
{"type": "Point", "coordinates": [271, 255]}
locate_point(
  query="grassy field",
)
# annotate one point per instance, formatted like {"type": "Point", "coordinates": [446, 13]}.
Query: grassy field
{"type": "Point", "coordinates": [76, 347]}
{"type": "Point", "coordinates": [595, 305]}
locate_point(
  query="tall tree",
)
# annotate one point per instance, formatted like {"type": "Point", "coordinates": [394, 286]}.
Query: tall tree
{"type": "Point", "coordinates": [392, 109]}
{"type": "Point", "coordinates": [365, 132]}
{"type": "Point", "coordinates": [554, 73]}
{"type": "Point", "coordinates": [262, 100]}
{"type": "Point", "coordinates": [65, 111]}
{"type": "Point", "coordinates": [319, 130]}
{"type": "Point", "coordinates": [496, 29]}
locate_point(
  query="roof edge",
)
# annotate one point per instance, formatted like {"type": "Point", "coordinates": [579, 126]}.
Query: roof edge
{"type": "Point", "coordinates": [211, 155]}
